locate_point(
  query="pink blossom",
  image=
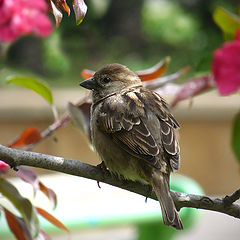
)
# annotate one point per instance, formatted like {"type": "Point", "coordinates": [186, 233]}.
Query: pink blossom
{"type": "Point", "coordinates": [3, 166]}
{"type": "Point", "coordinates": [18, 17]}
{"type": "Point", "coordinates": [226, 66]}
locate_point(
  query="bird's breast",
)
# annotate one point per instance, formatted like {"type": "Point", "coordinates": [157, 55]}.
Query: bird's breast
{"type": "Point", "coordinates": [115, 158]}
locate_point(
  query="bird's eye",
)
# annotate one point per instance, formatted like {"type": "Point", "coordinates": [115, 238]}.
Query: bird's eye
{"type": "Point", "coordinates": [106, 80]}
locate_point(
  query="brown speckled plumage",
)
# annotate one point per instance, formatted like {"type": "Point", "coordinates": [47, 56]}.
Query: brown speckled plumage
{"type": "Point", "coordinates": [133, 132]}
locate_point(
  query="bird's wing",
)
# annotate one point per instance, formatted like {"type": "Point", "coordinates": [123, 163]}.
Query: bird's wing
{"type": "Point", "coordinates": [168, 127]}
{"type": "Point", "coordinates": [125, 118]}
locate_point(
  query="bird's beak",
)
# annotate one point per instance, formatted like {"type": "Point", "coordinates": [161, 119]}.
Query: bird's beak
{"type": "Point", "coordinates": [89, 84]}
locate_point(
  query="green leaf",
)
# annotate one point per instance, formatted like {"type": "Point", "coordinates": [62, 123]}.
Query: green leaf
{"type": "Point", "coordinates": [22, 204]}
{"type": "Point", "coordinates": [33, 84]}
{"type": "Point", "coordinates": [236, 136]}
{"type": "Point", "coordinates": [228, 22]}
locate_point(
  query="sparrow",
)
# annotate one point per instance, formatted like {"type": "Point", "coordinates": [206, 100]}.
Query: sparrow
{"type": "Point", "coordinates": [133, 133]}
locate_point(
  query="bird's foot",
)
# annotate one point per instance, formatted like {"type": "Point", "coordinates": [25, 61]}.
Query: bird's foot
{"type": "Point", "coordinates": [104, 169]}
{"type": "Point", "coordinates": [149, 193]}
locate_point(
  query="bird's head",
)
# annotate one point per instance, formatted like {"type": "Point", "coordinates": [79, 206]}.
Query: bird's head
{"type": "Point", "coordinates": [110, 79]}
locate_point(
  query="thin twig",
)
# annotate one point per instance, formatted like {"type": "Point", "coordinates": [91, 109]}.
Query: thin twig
{"type": "Point", "coordinates": [63, 121]}
{"type": "Point", "coordinates": [228, 200]}
{"type": "Point", "coordinates": [65, 118]}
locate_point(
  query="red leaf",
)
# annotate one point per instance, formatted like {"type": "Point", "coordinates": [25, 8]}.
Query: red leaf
{"type": "Point", "coordinates": [51, 219]}
{"type": "Point", "coordinates": [193, 88]}
{"type": "Point", "coordinates": [56, 12]}
{"type": "Point", "coordinates": [59, 4]}
{"type": "Point", "coordinates": [17, 226]}
{"type": "Point", "coordinates": [63, 5]}
{"type": "Point", "coordinates": [148, 74]}
{"type": "Point", "coordinates": [29, 176]}
{"type": "Point", "coordinates": [154, 72]}
{"type": "Point", "coordinates": [86, 73]}
{"type": "Point", "coordinates": [29, 136]}
{"type": "Point", "coordinates": [80, 9]}
{"type": "Point", "coordinates": [49, 193]}
{"type": "Point", "coordinates": [3, 167]}
{"type": "Point", "coordinates": [156, 83]}
{"type": "Point", "coordinates": [23, 205]}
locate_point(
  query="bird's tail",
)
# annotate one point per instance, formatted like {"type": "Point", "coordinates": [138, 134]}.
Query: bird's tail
{"type": "Point", "coordinates": [160, 186]}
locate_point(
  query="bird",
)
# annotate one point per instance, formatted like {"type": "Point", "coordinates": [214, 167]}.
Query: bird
{"type": "Point", "coordinates": [134, 133]}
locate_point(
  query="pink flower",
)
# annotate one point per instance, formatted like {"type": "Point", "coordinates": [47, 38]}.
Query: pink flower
{"type": "Point", "coordinates": [3, 166]}
{"type": "Point", "coordinates": [226, 66]}
{"type": "Point", "coordinates": [18, 17]}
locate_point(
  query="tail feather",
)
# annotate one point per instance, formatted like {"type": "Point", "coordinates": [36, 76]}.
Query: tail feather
{"type": "Point", "coordinates": [160, 186]}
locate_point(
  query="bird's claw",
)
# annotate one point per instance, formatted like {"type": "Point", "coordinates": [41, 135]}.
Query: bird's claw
{"type": "Point", "coordinates": [149, 193]}
{"type": "Point", "coordinates": [104, 169]}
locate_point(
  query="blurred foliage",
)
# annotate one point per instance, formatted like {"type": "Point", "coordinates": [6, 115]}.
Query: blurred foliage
{"type": "Point", "coordinates": [228, 22]}
{"type": "Point", "coordinates": [236, 136]}
{"type": "Point", "coordinates": [158, 16]}
{"type": "Point", "coordinates": [55, 61]}
{"type": "Point", "coordinates": [137, 33]}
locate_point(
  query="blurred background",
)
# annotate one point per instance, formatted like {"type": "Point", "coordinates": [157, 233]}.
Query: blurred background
{"type": "Point", "coordinates": [136, 33]}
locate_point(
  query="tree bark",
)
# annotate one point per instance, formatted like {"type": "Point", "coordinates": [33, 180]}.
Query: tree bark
{"type": "Point", "coordinates": [17, 158]}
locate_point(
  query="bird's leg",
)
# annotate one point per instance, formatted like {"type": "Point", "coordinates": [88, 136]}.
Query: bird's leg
{"type": "Point", "coordinates": [98, 183]}
{"type": "Point", "coordinates": [149, 193]}
{"type": "Point", "coordinates": [103, 167]}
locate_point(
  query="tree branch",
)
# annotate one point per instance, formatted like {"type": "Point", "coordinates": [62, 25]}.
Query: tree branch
{"type": "Point", "coordinates": [228, 200]}
{"type": "Point", "coordinates": [16, 158]}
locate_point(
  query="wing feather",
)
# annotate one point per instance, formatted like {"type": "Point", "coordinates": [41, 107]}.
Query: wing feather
{"type": "Point", "coordinates": [129, 128]}
{"type": "Point", "coordinates": [168, 126]}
